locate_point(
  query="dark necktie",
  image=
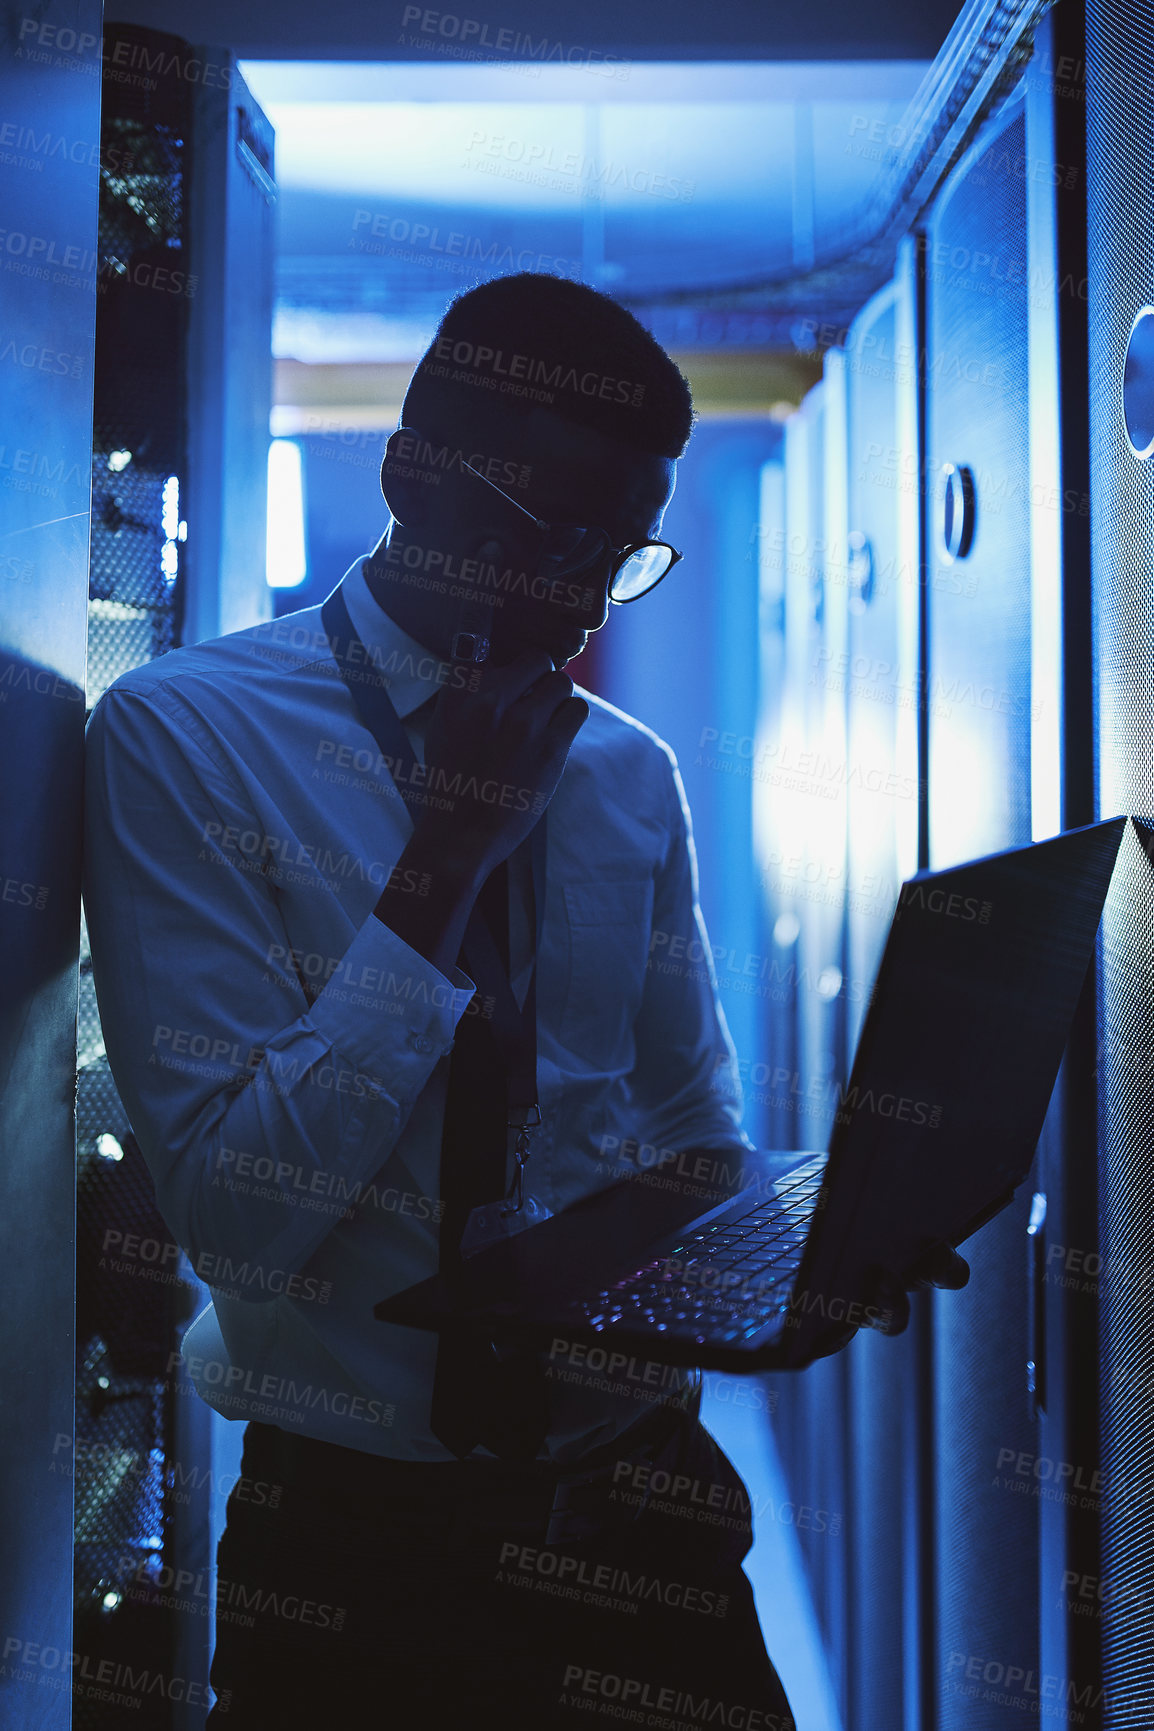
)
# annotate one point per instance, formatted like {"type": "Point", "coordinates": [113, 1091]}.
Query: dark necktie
{"type": "Point", "coordinates": [480, 1396]}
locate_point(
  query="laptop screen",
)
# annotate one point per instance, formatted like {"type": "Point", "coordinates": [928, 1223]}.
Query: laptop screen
{"type": "Point", "coordinates": [962, 1042]}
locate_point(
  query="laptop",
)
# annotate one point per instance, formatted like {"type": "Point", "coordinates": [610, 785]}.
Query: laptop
{"type": "Point", "coordinates": [741, 1264]}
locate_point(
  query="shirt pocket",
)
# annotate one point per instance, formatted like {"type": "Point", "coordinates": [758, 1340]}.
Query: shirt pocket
{"type": "Point", "coordinates": [609, 932]}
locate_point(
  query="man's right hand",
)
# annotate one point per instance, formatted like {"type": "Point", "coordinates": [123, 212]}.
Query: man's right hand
{"type": "Point", "coordinates": [496, 754]}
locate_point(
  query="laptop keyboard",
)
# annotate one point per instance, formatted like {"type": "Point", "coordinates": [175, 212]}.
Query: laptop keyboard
{"type": "Point", "coordinates": [722, 1283]}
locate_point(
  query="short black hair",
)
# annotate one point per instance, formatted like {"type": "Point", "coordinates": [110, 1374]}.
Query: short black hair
{"type": "Point", "coordinates": [528, 340]}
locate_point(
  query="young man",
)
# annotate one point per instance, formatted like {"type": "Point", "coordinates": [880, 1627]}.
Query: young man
{"type": "Point", "coordinates": [365, 887]}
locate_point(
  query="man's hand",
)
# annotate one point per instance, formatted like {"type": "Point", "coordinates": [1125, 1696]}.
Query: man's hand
{"type": "Point", "coordinates": [941, 1267]}
{"type": "Point", "coordinates": [497, 753]}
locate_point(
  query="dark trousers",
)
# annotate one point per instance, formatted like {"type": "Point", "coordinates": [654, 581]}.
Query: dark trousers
{"type": "Point", "coordinates": [354, 1591]}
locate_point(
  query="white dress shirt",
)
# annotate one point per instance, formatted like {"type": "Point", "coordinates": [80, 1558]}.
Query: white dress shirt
{"type": "Point", "coordinates": [283, 1055]}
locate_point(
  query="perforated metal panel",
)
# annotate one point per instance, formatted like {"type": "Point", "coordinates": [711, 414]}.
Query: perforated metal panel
{"type": "Point", "coordinates": [978, 693]}
{"type": "Point", "coordinates": [1120, 192]}
{"type": "Point", "coordinates": [130, 1297]}
{"type": "Point", "coordinates": [144, 290]}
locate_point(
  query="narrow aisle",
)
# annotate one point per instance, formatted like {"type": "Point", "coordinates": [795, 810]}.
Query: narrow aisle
{"type": "Point", "coordinates": [775, 1567]}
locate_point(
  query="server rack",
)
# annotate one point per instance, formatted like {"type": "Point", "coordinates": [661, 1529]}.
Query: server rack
{"type": "Point", "coordinates": [802, 803]}
{"type": "Point", "coordinates": [129, 1304]}
{"type": "Point", "coordinates": [880, 687]}
{"type": "Point", "coordinates": [1119, 292]}
{"type": "Point", "coordinates": [184, 265]}
{"type": "Point", "coordinates": [1064, 1248]}
{"type": "Point", "coordinates": [978, 603]}
{"type": "Point", "coordinates": [952, 1573]}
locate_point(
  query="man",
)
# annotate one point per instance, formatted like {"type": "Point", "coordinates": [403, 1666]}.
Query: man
{"type": "Point", "coordinates": [290, 909]}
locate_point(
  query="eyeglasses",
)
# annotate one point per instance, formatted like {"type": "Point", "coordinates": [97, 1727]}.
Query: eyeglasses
{"type": "Point", "coordinates": [574, 551]}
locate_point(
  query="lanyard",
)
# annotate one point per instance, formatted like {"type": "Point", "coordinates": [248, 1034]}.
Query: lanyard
{"type": "Point", "coordinates": [514, 1027]}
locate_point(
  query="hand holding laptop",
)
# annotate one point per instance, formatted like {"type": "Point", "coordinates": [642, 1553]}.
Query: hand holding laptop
{"type": "Point", "coordinates": [934, 1133]}
{"type": "Point", "coordinates": [942, 1268]}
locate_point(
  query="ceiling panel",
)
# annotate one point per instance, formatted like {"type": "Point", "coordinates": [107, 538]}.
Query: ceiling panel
{"type": "Point", "coordinates": [401, 186]}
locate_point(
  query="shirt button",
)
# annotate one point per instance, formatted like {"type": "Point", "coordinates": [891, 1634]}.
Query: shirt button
{"type": "Point", "coordinates": [418, 1041]}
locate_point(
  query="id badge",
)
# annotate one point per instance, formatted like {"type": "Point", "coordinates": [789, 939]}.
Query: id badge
{"type": "Point", "coordinates": [496, 1221]}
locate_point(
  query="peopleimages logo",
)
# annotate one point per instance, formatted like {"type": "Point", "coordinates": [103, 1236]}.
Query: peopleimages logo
{"type": "Point", "coordinates": [1020, 1686]}
{"type": "Point", "coordinates": [954, 905]}
{"type": "Point", "coordinates": [236, 1384]}
{"type": "Point", "coordinates": [633, 1693]}
{"type": "Point", "coordinates": [425, 458]}
{"type": "Point", "coordinates": [571, 171]}
{"type": "Point", "coordinates": [420, 242]}
{"type": "Point", "coordinates": [580, 1579]}
{"type": "Point", "coordinates": [477, 33]}
{"type": "Point", "coordinates": [527, 369]}
{"type": "Point", "coordinates": [98, 1679]}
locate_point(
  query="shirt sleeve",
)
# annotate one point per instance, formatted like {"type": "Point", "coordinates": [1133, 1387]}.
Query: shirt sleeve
{"type": "Point", "coordinates": [685, 1077]}
{"type": "Point", "coordinates": [219, 1058]}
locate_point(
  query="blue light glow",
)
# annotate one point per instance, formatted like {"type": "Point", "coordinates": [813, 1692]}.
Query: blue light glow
{"type": "Point", "coordinates": [285, 564]}
{"type": "Point", "coordinates": [171, 527]}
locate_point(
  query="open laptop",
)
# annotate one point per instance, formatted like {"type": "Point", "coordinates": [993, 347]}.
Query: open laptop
{"type": "Point", "coordinates": [740, 1265]}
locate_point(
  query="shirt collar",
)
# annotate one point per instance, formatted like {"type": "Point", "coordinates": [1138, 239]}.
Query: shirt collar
{"type": "Point", "coordinates": [408, 670]}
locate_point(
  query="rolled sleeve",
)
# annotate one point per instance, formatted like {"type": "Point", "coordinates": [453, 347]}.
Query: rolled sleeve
{"type": "Point", "coordinates": [406, 1010]}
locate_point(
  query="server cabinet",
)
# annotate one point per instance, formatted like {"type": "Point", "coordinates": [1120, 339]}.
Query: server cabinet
{"type": "Point", "coordinates": [1064, 1246]}
{"type": "Point", "coordinates": [878, 674]}
{"type": "Point", "coordinates": [801, 820]}
{"type": "Point", "coordinates": [231, 217]}
{"type": "Point", "coordinates": [779, 922]}
{"type": "Point", "coordinates": [1119, 297]}
{"type": "Point", "coordinates": [177, 132]}
{"type": "Point", "coordinates": [978, 600]}
{"type": "Point", "coordinates": [804, 791]}
{"type": "Point", "coordinates": [819, 774]}
{"type": "Point", "coordinates": [879, 679]}
{"type": "Point", "coordinates": [787, 582]}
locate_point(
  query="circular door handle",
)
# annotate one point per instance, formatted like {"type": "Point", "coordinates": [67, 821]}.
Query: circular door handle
{"type": "Point", "coordinates": [860, 570]}
{"type": "Point", "coordinates": [959, 505]}
{"type": "Point", "coordinates": [1138, 385]}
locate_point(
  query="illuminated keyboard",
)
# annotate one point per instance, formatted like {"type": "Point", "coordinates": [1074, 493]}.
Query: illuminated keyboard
{"type": "Point", "coordinates": [721, 1283]}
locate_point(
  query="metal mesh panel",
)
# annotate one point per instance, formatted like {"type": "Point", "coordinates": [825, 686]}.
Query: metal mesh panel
{"type": "Point", "coordinates": [144, 288]}
{"type": "Point", "coordinates": [129, 1294]}
{"type": "Point", "coordinates": [1126, 1136]}
{"type": "Point", "coordinates": [979, 801]}
{"type": "Point", "coordinates": [1120, 190]}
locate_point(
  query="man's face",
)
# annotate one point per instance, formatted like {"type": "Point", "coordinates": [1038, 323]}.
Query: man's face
{"type": "Point", "coordinates": [575, 476]}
